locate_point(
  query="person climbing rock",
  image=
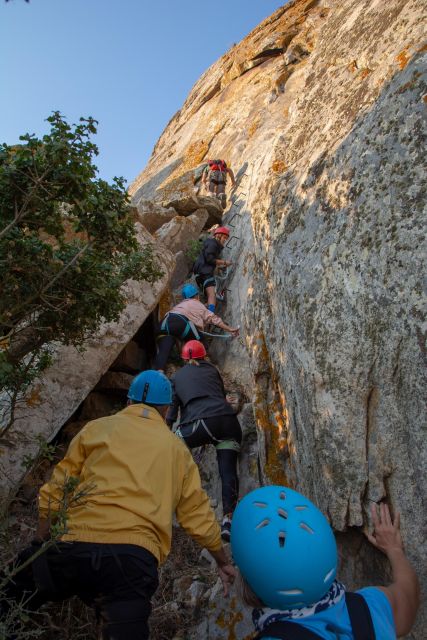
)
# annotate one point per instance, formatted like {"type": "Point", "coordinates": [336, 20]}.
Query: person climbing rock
{"type": "Point", "coordinates": [208, 260]}
{"type": "Point", "coordinates": [214, 178]}
{"type": "Point", "coordinates": [287, 556]}
{"type": "Point", "coordinates": [207, 418]}
{"type": "Point", "coordinates": [184, 321]}
{"type": "Point", "coordinates": [138, 474]}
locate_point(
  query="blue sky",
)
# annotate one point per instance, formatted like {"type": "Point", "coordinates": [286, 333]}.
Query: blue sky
{"type": "Point", "coordinates": [128, 63]}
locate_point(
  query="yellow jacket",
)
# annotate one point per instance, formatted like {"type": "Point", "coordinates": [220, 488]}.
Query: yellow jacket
{"type": "Point", "coordinates": [137, 474]}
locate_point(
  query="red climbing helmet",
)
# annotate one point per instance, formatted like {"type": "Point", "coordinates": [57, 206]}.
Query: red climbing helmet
{"type": "Point", "coordinates": [193, 349]}
{"type": "Point", "coordinates": [224, 230]}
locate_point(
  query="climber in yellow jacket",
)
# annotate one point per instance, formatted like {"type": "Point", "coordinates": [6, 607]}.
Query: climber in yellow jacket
{"type": "Point", "coordinates": [136, 474]}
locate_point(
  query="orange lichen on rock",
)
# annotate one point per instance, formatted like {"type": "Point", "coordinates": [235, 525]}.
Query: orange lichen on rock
{"type": "Point", "coordinates": [278, 166]}
{"type": "Point", "coordinates": [254, 126]}
{"type": "Point", "coordinates": [34, 399]}
{"type": "Point", "coordinates": [402, 59]}
{"type": "Point", "coordinates": [276, 444]}
{"type": "Point", "coordinates": [229, 619]}
{"type": "Point", "coordinates": [165, 303]}
{"type": "Point", "coordinates": [364, 73]}
{"type": "Point", "coordinates": [271, 416]}
{"type": "Point", "coordinates": [195, 153]}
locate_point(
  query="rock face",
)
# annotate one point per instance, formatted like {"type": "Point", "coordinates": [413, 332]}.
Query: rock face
{"type": "Point", "coordinates": [319, 112]}
{"type": "Point", "coordinates": [63, 387]}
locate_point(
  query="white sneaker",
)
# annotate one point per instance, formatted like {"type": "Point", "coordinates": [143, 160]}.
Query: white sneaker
{"type": "Point", "coordinates": [226, 528]}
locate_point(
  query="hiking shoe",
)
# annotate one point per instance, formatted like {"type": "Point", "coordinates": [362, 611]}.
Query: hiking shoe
{"type": "Point", "coordinates": [226, 529]}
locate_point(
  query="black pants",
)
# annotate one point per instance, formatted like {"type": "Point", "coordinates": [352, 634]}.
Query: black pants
{"type": "Point", "coordinates": [205, 281]}
{"type": "Point", "coordinates": [165, 340]}
{"type": "Point", "coordinates": [117, 580]}
{"type": "Point", "coordinates": [226, 434]}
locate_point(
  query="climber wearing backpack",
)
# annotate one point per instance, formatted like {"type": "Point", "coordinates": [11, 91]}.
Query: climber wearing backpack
{"type": "Point", "coordinates": [184, 321]}
{"type": "Point", "coordinates": [136, 474]}
{"type": "Point", "coordinates": [287, 557]}
{"type": "Point", "coordinates": [206, 263]}
{"type": "Point", "coordinates": [214, 178]}
{"type": "Point", "coordinates": [207, 418]}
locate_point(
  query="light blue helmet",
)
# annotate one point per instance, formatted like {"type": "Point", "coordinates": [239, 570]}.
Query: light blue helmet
{"type": "Point", "coordinates": [151, 387]}
{"type": "Point", "coordinates": [189, 291]}
{"type": "Point", "coordinates": [284, 547]}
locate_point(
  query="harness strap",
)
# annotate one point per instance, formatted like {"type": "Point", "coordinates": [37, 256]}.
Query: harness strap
{"type": "Point", "coordinates": [360, 616]}
{"type": "Point", "coordinates": [203, 423]}
{"type": "Point", "coordinates": [189, 326]}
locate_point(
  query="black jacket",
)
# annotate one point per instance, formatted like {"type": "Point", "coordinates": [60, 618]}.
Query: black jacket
{"type": "Point", "coordinates": [206, 262]}
{"type": "Point", "coordinates": [198, 392]}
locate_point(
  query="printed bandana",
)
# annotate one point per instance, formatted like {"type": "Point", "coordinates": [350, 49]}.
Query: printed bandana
{"type": "Point", "coordinates": [263, 617]}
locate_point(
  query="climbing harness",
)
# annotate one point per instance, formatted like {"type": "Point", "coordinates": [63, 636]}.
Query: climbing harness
{"type": "Point", "coordinates": [190, 326]}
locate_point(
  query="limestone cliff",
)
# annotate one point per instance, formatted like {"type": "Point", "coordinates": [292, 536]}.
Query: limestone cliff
{"type": "Point", "coordinates": [320, 112]}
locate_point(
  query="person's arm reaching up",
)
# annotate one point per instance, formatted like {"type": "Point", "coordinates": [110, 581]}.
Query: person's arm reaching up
{"type": "Point", "coordinates": [404, 592]}
{"type": "Point", "coordinates": [231, 174]}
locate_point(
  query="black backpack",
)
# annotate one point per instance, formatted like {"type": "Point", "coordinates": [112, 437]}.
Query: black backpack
{"type": "Point", "coordinates": [360, 619]}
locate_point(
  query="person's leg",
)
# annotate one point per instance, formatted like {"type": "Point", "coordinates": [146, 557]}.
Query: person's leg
{"type": "Point", "coordinates": [19, 587]}
{"type": "Point", "coordinates": [227, 467]}
{"type": "Point", "coordinates": [125, 604]}
{"type": "Point", "coordinates": [165, 341]}
{"type": "Point", "coordinates": [164, 346]}
{"type": "Point", "coordinates": [221, 194]}
{"type": "Point", "coordinates": [211, 297]}
{"type": "Point", "coordinates": [117, 580]}
{"type": "Point", "coordinates": [227, 431]}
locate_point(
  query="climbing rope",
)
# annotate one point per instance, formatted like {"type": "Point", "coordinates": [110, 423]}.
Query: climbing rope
{"type": "Point", "coordinates": [224, 336]}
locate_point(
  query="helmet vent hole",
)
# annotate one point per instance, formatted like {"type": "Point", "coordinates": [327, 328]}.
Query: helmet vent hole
{"type": "Point", "coordinates": [305, 526]}
{"type": "Point", "coordinates": [263, 523]}
{"type": "Point", "coordinates": [282, 513]}
{"type": "Point", "coordinates": [291, 592]}
{"type": "Point", "coordinates": [329, 574]}
{"type": "Point", "coordinates": [301, 508]}
{"type": "Point", "coordinates": [282, 538]}
{"type": "Point", "coordinates": [282, 495]}
{"type": "Point", "coordinates": [262, 505]}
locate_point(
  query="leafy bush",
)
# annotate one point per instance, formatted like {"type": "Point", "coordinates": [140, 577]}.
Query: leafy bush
{"type": "Point", "coordinates": [67, 244]}
{"type": "Point", "coordinates": [193, 250]}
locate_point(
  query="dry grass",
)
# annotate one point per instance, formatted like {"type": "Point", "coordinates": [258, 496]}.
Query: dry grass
{"type": "Point", "coordinates": [172, 616]}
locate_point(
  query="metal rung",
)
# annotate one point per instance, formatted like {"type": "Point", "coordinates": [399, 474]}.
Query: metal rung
{"type": "Point", "coordinates": [230, 239]}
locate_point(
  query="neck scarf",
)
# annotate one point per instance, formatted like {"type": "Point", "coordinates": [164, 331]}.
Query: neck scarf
{"type": "Point", "coordinates": [263, 617]}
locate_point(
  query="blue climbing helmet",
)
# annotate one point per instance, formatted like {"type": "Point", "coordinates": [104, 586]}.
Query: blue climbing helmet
{"type": "Point", "coordinates": [150, 387]}
{"type": "Point", "coordinates": [284, 547]}
{"type": "Point", "coordinates": [189, 291]}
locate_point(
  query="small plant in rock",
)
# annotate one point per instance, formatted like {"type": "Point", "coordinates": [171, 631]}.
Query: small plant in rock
{"type": "Point", "coordinates": [46, 452]}
{"type": "Point", "coordinates": [193, 250]}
